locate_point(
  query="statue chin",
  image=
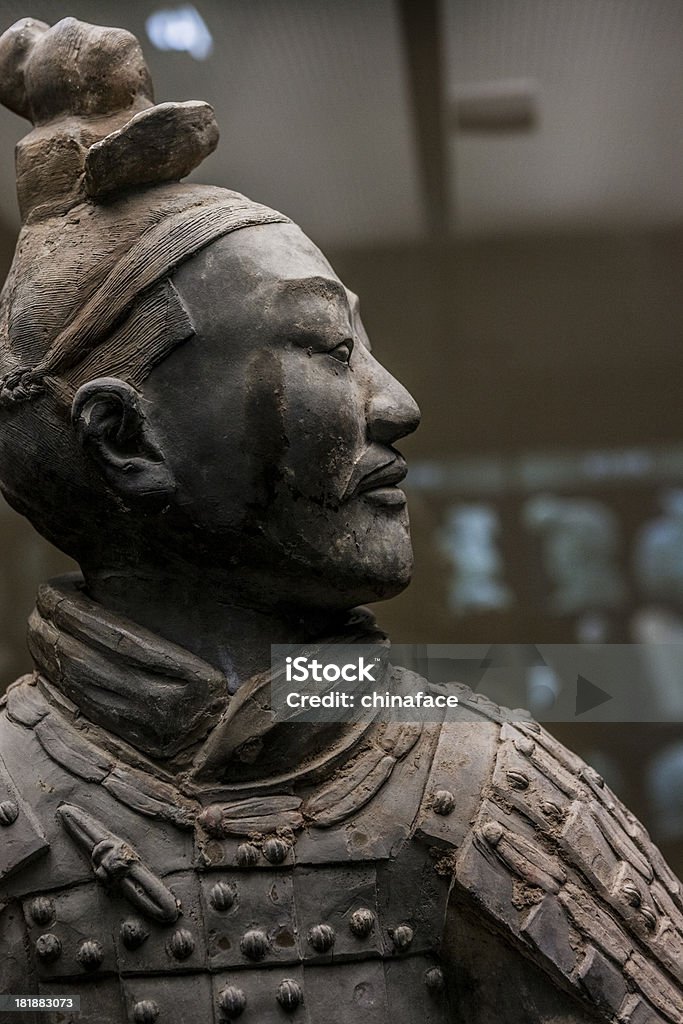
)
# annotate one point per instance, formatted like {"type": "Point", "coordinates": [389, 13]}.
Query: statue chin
{"type": "Point", "coordinates": [338, 566]}
{"type": "Point", "coordinates": [336, 575]}
{"type": "Point", "coordinates": [340, 570]}
{"type": "Point", "coordinates": [380, 577]}
{"type": "Point", "coordinates": [369, 583]}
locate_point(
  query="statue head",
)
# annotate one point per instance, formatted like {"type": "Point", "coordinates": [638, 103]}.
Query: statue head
{"type": "Point", "coordinates": [185, 383]}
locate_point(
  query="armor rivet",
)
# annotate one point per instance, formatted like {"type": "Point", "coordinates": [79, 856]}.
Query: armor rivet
{"type": "Point", "coordinates": [222, 896]}
{"type": "Point", "coordinates": [181, 944]}
{"type": "Point", "coordinates": [525, 746]}
{"type": "Point", "coordinates": [232, 1001]}
{"type": "Point", "coordinates": [321, 937]}
{"type": "Point", "coordinates": [289, 995]}
{"type": "Point", "coordinates": [145, 1012]}
{"type": "Point", "coordinates": [211, 820]}
{"type": "Point", "coordinates": [9, 812]}
{"type": "Point", "coordinates": [362, 922]}
{"type": "Point", "coordinates": [133, 933]}
{"type": "Point", "coordinates": [552, 811]}
{"type": "Point", "coordinates": [254, 944]}
{"type": "Point", "coordinates": [434, 979]}
{"type": "Point", "coordinates": [403, 936]}
{"type": "Point", "coordinates": [275, 850]}
{"type": "Point", "coordinates": [631, 894]}
{"type": "Point", "coordinates": [42, 909]}
{"type": "Point", "coordinates": [517, 779]}
{"type": "Point", "coordinates": [443, 802]}
{"type": "Point", "coordinates": [492, 832]}
{"type": "Point", "coordinates": [247, 855]}
{"type": "Point", "coordinates": [90, 955]}
{"type": "Point", "coordinates": [48, 947]}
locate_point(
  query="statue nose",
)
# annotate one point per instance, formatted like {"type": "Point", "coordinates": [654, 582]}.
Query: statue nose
{"type": "Point", "coordinates": [392, 412]}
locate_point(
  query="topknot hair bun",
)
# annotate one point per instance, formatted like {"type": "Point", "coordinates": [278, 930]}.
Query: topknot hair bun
{"type": "Point", "coordinates": [97, 132]}
{"type": "Point", "coordinates": [16, 46]}
{"type": "Point", "coordinates": [71, 69]}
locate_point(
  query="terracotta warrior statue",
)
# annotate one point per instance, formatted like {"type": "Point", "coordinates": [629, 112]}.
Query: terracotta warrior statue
{"type": "Point", "coordinates": [189, 407]}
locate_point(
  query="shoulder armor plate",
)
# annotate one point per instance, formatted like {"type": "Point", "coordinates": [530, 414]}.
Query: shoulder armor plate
{"type": "Point", "coordinates": [564, 869]}
{"type": "Point", "coordinates": [21, 837]}
{"type": "Point", "coordinates": [461, 768]}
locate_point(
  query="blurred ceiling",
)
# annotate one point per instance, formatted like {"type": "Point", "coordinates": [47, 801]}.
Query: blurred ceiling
{"type": "Point", "coordinates": [338, 112]}
{"type": "Point", "coordinates": [310, 99]}
{"type": "Point", "coordinates": [608, 149]}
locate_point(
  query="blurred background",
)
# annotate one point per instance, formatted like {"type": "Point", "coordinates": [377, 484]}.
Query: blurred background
{"type": "Point", "coordinates": [502, 183]}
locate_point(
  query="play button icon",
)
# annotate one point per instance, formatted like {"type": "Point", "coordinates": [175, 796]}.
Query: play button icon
{"type": "Point", "coordinates": [589, 696]}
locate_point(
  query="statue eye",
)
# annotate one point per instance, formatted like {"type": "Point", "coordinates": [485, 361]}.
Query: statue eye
{"type": "Point", "coordinates": [342, 351]}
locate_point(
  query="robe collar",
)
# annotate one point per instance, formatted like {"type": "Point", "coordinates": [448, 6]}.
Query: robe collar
{"type": "Point", "coordinates": [148, 697]}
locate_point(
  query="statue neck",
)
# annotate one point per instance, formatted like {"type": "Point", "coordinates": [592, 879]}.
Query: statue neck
{"type": "Point", "coordinates": [205, 617]}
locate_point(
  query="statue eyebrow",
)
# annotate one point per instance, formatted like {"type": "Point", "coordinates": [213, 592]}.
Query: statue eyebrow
{"type": "Point", "coordinates": [324, 287]}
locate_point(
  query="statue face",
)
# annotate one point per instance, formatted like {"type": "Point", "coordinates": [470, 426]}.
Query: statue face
{"type": "Point", "coordinates": [279, 425]}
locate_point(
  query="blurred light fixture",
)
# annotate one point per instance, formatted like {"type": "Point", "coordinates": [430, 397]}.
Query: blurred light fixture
{"type": "Point", "coordinates": [509, 105]}
{"type": "Point", "coordinates": [543, 688]}
{"type": "Point", "coordinates": [182, 29]}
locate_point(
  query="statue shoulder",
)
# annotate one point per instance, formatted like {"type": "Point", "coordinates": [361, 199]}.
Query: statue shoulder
{"type": "Point", "coordinates": [556, 864]}
{"type": "Point", "coordinates": [22, 838]}
{"type": "Point", "coordinates": [460, 771]}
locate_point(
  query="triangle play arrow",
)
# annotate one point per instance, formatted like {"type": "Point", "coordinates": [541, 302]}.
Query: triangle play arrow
{"type": "Point", "coordinates": [589, 696]}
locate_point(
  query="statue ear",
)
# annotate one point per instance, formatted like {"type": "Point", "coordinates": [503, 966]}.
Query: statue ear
{"type": "Point", "coordinates": [115, 434]}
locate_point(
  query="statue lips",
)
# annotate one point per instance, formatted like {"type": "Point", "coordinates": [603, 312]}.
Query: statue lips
{"type": "Point", "coordinates": [379, 485]}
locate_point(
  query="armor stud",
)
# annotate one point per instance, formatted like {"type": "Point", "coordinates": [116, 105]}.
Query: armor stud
{"type": "Point", "coordinates": [402, 936]}
{"type": "Point", "coordinates": [48, 947]}
{"type": "Point", "coordinates": [145, 1012]}
{"type": "Point", "coordinates": [90, 955]}
{"type": "Point", "coordinates": [321, 937]}
{"type": "Point", "coordinates": [362, 922]}
{"type": "Point", "coordinates": [247, 855]}
{"type": "Point", "coordinates": [275, 850]}
{"type": "Point", "coordinates": [443, 802]}
{"type": "Point", "coordinates": [42, 909]}
{"type": "Point", "coordinates": [211, 821]}
{"type": "Point", "coordinates": [9, 812]}
{"type": "Point", "coordinates": [232, 1001]}
{"type": "Point", "coordinates": [133, 933]}
{"type": "Point", "coordinates": [525, 745]}
{"type": "Point", "coordinates": [434, 979]}
{"type": "Point", "coordinates": [492, 832]}
{"type": "Point", "coordinates": [517, 779]}
{"type": "Point", "coordinates": [254, 944]}
{"type": "Point", "coordinates": [181, 944]}
{"type": "Point", "coordinates": [222, 896]}
{"type": "Point", "coordinates": [552, 811]}
{"type": "Point", "coordinates": [289, 995]}
{"type": "Point", "coordinates": [631, 894]}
